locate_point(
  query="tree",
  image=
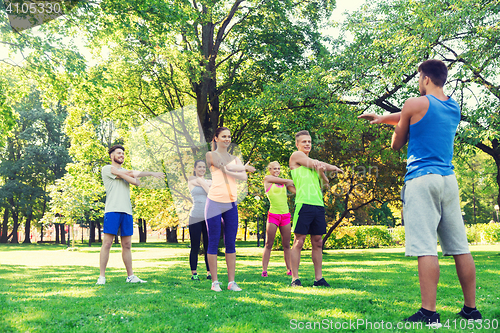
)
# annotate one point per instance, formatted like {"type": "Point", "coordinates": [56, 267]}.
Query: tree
{"type": "Point", "coordinates": [475, 176]}
{"type": "Point", "coordinates": [378, 68]}
{"type": "Point", "coordinates": [204, 49]}
{"type": "Point", "coordinates": [34, 157]}
{"type": "Point", "coordinates": [309, 100]}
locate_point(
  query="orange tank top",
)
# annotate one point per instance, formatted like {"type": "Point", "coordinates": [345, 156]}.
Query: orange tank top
{"type": "Point", "coordinates": [223, 187]}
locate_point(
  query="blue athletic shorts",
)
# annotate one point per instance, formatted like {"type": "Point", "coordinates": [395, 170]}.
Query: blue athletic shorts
{"type": "Point", "coordinates": [120, 224]}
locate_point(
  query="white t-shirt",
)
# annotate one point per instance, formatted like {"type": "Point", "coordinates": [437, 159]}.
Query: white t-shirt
{"type": "Point", "coordinates": [117, 192]}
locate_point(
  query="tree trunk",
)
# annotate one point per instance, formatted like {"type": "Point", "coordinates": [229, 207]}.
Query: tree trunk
{"type": "Point", "coordinates": [142, 231]}
{"type": "Point", "coordinates": [41, 233]}
{"type": "Point", "coordinates": [57, 227]}
{"type": "Point", "coordinates": [5, 226]}
{"type": "Point", "coordinates": [99, 231]}
{"type": "Point", "coordinates": [91, 232]}
{"type": "Point", "coordinates": [63, 233]}
{"type": "Point", "coordinates": [27, 229]}
{"type": "Point", "coordinates": [172, 235]}
{"type": "Point", "coordinates": [15, 218]}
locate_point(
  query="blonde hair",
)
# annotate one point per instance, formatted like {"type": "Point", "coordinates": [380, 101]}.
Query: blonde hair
{"type": "Point", "coordinates": [299, 134]}
{"type": "Point", "coordinates": [270, 165]}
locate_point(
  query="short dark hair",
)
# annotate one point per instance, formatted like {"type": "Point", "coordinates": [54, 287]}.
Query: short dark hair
{"type": "Point", "coordinates": [303, 132]}
{"type": "Point", "coordinates": [115, 147]}
{"type": "Point", "coordinates": [436, 70]}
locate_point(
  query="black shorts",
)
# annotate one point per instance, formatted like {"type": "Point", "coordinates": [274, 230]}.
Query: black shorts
{"type": "Point", "coordinates": [309, 219]}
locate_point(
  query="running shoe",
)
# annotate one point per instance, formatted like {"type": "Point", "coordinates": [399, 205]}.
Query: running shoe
{"type": "Point", "coordinates": [134, 279]}
{"type": "Point", "coordinates": [209, 277]}
{"type": "Point", "coordinates": [233, 286]}
{"type": "Point", "coordinates": [289, 273]}
{"type": "Point", "coordinates": [296, 283]}
{"type": "Point", "coordinates": [321, 283]}
{"type": "Point", "coordinates": [195, 277]}
{"type": "Point", "coordinates": [474, 314]}
{"type": "Point", "coordinates": [434, 320]}
{"type": "Point", "coordinates": [216, 286]}
{"type": "Point", "coordinates": [264, 273]}
{"type": "Point", "coordinates": [101, 280]}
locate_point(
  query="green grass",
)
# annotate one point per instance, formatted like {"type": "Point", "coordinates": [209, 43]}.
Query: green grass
{"type": "Point", "coordinates": [367, 285]}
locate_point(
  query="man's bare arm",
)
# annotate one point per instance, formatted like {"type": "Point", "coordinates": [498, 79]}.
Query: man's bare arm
{"type": "Point", "coordinates": [373, 118]}
{"type": "Point", "coordinates": [125, 176]}
{"type": "Point", "coordinates": [138, 174]}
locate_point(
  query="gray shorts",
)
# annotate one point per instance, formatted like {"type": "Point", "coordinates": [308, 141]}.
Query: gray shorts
{"type": "Point", "coordinates": [431, 209]}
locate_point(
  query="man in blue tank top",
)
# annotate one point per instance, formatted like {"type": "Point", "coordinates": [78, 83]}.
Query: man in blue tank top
{"type": "Point", "coordinates": [431, 203]}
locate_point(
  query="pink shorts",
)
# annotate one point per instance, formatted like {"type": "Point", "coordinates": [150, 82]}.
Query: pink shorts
{"type": "Point", "coordinates": [278, 219]}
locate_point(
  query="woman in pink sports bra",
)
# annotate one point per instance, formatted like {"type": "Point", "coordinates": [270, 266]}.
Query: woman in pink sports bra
{"type": "Point", "coordinates": [278, 216]}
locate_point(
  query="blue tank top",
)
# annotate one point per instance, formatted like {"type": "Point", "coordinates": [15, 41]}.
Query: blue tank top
{"type": "Point", "coordinates": [430, 145]}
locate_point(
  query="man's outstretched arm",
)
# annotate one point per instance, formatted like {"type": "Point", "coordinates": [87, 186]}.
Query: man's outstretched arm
{"type": "Point", "coordinates": [390, 119]}
{"type": "Point", "coordinates": [125, 175]}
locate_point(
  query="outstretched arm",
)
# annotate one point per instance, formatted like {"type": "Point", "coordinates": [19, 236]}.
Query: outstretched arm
{"type": "Point", "coordinates": [125, 175]}
{"type": "Point", "coordinates": [373, 118]}
{"type": "Point", "coordinates": [138, 174]}
{"type": "Point", "coordinates": [322, 176]}
{"type": "Point", "coordinates": [301, 159]}
{"type": "Point", "coordinates": [242, 175]}
{"type": "Point", "coordinates": [268, 180]}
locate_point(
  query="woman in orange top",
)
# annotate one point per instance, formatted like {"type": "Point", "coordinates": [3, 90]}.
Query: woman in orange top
{"type": "Point", "coordinates": [221, 205]}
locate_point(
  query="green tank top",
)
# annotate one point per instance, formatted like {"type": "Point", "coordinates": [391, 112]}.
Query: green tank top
{"type": "Point", "coordinates": [277, 198]}
{"type": "Point", "coordinates": [308, 186]}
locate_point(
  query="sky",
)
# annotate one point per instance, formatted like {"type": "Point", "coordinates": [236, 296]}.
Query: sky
{"type": "Point", "coordinates": [337, 16]}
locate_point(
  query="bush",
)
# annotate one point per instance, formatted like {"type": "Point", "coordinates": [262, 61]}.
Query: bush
{"type": "Point", "coordinates": [483, 233]}
{"type": "Point", "coordinates": [398, 235]}
{"type": "Point", "coordinates": [491, 232]}
{"type": "Point", "coordinates": [355, 237]}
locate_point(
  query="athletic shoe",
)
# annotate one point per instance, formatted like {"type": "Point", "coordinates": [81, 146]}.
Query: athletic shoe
{"type": "Point", "coordinates": [296, 283]}
{"type": "Point", "coordinates": [101, 280]}
{"type": "Point", "coordinates": [474, 314]}
{"type": "Point", "coordinates": [433, 320]}
{"type": "Point", "coordinates": [135, 279]}
{"type": "Point", "coordinates": [289, 273]}
{"type": "Point", "coordinates": [321, 283]}
{"type": "Point", "coordinates": [233, 286]}
{"type": "Point", "coordinates": [264, 273]}
{"type": "Point", "coordinates": [195, 277]}
{"type": "Point", "coordinates": [209, 277]}
{"type": "Point", "coordinates": [216, 286]}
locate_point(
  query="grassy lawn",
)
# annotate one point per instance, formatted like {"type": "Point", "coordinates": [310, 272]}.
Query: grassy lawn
{"type": "Point", "coordinates": [45, 288]}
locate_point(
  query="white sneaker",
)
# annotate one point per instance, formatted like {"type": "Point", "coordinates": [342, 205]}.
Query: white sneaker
{"type": "Point", "coordinates": [135, 279]}
{"type": "Point", "coordinates": [233, 286]}
{"type": "Point", "coordinates": [101, 280]}
{"type": "Point", "coordinates": [216, 286]}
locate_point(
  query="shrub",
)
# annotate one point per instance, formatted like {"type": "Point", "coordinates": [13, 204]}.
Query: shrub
{"type": "Point", "coordinates": [491, 232]}
{"type": "Point", "coordinates": [483, 233]}
{"type": "Point", "coordinates": [372, 236]}
{"type": "Point", "coordinates": [398, 235]}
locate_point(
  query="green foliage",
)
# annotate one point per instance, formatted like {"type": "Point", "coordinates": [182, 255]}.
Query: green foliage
{"type": "Point", "coordinates": [398, 235]}
{"type": "Point", "coordinates": [482, 233]}
{"type": "Point", "coordinates": [6, 115]}
{"type": "Point", "coordinates": [35, 155]}
{"type": "Point", "coordinates": [478, 188]}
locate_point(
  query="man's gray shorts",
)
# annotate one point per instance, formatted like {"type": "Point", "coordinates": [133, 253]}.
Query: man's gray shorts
{"type": "Point", "coordinates": [431, 209]}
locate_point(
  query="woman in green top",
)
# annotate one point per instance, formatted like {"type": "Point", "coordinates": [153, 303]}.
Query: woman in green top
{"type": "Point", "coordinates": [278, 216]}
